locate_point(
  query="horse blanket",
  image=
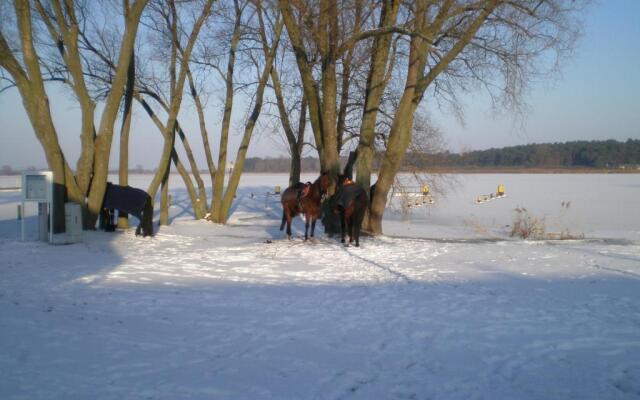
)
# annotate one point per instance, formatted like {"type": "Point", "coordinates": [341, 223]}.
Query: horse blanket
{"type": "Point", "coordinates": [126, 199]}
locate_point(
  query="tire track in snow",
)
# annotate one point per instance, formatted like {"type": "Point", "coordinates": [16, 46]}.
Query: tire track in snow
{"type": "Point", "coordinates": [398, 275]}
{"type": "Point", "coordinates": [619, 271]}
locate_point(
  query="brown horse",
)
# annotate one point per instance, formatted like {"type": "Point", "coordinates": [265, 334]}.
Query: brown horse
{"type": "Point", "coordinates": [351, 203]}
{"type": "Point", "coordinates": [304, 199]}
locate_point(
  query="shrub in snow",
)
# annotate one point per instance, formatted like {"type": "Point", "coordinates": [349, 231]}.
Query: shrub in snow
{"type": "Point", "coordinates": [527, 226]}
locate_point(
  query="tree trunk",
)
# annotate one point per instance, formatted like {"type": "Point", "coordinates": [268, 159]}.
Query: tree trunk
{"type": "Point", "coordinates": [203, 131]}
{"type": "Point", "coordinates": [295, 142]}
{"type": "Point", "coordinates": [200, 204]}
{"type": "Point", "coordinates": [177, 88]}
{"type": "Point", "coordinates": [374, 90]}
{"type": "Point", "coordinates": [218, 188]}
{"type": "Point", "coordinates": [328, 47]}
{"type": "Point", "coordinates": [415, 87]}
{"type": "Point", "coordinates": [30, 84]}
{"type": "Point", "coordinates": [298, 144]}
{"type": "Point", "coordinates": [105, 131]}
{"type": "Point", "coordinates": [311, 91]}
{"type": "Point", "coordinates": [65, 35]}
{"type": "Point", "coordinates": [234, 179]}
{"type": "Point", "coordinates": [123, 168]}
{"type": "Point", "coordinates": [400, 132]}
{"type": "Point", "coordinates": [173, 154]}
{"type": "Point", "coordinates": [164, 198]}
{"type": "Point", "coordinates": [399, 140]}
{"type": "Point", "coordinates": [294, 169]}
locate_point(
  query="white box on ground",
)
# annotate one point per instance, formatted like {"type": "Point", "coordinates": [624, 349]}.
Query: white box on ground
{"type": "Point", "coordinates": [73, 225]}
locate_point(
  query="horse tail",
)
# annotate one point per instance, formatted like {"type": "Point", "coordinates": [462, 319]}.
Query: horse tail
{"type": "Point", "coordinates": [362, 204]}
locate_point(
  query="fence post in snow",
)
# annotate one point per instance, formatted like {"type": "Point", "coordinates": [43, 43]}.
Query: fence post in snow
{"type": "Point", "coordinates": [19, 221]}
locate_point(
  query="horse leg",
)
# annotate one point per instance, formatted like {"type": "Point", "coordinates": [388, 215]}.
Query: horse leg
{"type": "Point", "coordinates": [348, 218]}
{"type": "Point", "coordinates": [342, 223]}
{"type": "Point", "coordinates": [357, 222]}
{"type": "Point", "coordinates": [284, 220]}
{"type": "Point", "coordinates": [306, 227]}
{"type": "Point", "coordinates": [358, 219]}
{"type": "Point", "coordinates": [351, 220]}
{"type": "Point", "coordinates": [313, 225]}
{"type": "Point", "coordinates": [289, 226]}
{"type": "Point", "coordinates": [147, 219]}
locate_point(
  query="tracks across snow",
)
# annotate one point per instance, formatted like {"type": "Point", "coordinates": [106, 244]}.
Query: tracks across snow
{"type": "Point", "coordinates": [191, 260]}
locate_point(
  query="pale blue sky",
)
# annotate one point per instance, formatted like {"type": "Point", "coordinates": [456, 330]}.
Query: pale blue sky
{"type": "Point", "coordinates": [596, 97]}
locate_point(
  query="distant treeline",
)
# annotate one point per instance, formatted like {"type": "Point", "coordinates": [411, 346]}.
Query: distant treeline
{"type": "Point", "coordinates": [585, 154]}
{"type": "Point", "coordinates": [279, 164]}
{"type": "Point", "coordinates": [578, 154]}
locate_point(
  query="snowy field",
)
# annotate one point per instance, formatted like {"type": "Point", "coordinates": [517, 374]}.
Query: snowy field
{"type": "Point", "coordinates": [444, 306]}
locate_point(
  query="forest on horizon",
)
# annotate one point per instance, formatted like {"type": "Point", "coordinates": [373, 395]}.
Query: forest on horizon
{"type": "Point", "coordinates": [573, 154]}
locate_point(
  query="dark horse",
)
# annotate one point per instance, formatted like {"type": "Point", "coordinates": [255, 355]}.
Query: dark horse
{"type": "Point", "coordinates": [304, 199]}
{"type": "Point", "coordinates": [351, 203]}
{"type": "Point", "coordinates": [130, 200]}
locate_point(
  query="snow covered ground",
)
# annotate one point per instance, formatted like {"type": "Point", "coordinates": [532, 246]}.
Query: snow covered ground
{"type": "Point", "coordinates": [445, 306]}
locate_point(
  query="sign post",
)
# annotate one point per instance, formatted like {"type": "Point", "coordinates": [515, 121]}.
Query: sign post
{"type": "Point", "coordinates": [38, 187]}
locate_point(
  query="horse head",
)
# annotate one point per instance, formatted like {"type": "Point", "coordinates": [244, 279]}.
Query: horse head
{"type": "Point", "coordinates": [324, 181]}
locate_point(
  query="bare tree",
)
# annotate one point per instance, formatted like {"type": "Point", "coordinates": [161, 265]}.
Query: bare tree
{"type": "Point", "coordinates": [289, 101]}
{"type": "Point", "coordinates": [178, 73]}
{"type": "Point", "coordinates": [453, 44]}
{"type": "Point", "coordinates": [147, 86]}
{"type": "Point", "coordinates": [127, 112]}
{"type": "Point", "coordinates": [270, 54]}
{"type": "Point", "coordinates": [21, 60]}
{"type": "Point", "coordinates": [218, 186]}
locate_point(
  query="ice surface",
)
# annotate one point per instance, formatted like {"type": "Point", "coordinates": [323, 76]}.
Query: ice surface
{"type": "Point", "coordinates": [445, 306]}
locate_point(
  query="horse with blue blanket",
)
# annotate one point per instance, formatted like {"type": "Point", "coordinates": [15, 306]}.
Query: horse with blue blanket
{"type": "Point", "coordinates": [128, 200]}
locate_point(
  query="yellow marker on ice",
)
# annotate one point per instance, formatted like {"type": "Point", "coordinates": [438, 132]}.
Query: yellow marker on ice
{"type": "Point", "coordinates": [425, 189]}
{"type": "Point", "coordinates": [500, 190]}
{"type": "Point", "coordinates": [277, 190]}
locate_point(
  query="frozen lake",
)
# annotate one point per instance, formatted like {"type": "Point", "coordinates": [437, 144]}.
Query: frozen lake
{"type": "Point", "coordinates": [599, 205]}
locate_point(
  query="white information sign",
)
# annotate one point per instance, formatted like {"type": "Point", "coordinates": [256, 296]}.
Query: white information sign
{"type": "Point", "coordinates": [38, 186]}
{"type": "Point", "coordinates": [35, 187]}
